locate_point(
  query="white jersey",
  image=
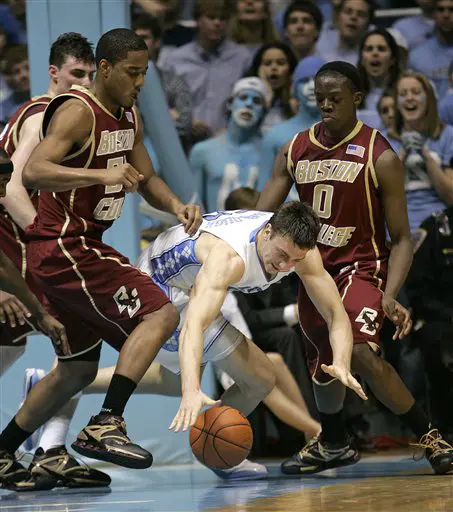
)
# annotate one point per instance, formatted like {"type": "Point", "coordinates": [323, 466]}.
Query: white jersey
{"type": "Point", "coordinates": [171, 260]}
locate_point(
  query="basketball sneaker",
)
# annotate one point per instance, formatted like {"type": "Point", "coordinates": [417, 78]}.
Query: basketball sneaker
{"type": "Point", "coordinates": [31, 377]}
{"type": "Point", "coordinates": [438, 452]}
{"type": "Point", "coordinates": [246, 470]}
{"type": "Point", "coordinates": [316, 456]}
{"type": "Point", "coordinates": [64, 468]}
{"type": "Point", "coordinates": [15, 477]}
{"type": "Point", "coordinates": [105, 438]}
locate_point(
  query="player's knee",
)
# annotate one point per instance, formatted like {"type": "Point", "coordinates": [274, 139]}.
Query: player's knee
{"type": "Point", "coordinates": [264, 379]}
{"type": "Point", "coordinates": [166, 317]}
{"type": "Point", "coordinates": [75, 375]}
{"type": "Point", "coordinates": [276, 360]}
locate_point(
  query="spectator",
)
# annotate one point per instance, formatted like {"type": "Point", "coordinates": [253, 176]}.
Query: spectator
{"type": "Point", "coordinates": [168, 13]}
{"type": "Point", "coordinates": [446, 103]}
{"type": "Point", "coordinates": [12, 21]}
{"type": "Point", "coordinates": [343, 43]}
{"type": "Point", "coordinates": [302, 22]}
{"type": "Point", "coordinates": [433, 57]}
{"type": "Point", "coordinates": [417, 29]}
{"type": "Point", "coordinates": [379, 69]}
{"type": "Point", "coordinates": [232, 159]}
{"type": "Point", "coordinates": [252, 25]}
{"type": "Point", "coordinates": [275, 63]}
{"type": "Point", "coordinates": [425, 145]}
{"type": "Point", "coordinates": [17, 76]}
{"type": "Point", "coordinates": [386, 110]}
{"type": "Point", "coordinates": [176, 90]}
{"type": "Point", "coordinates": [210, 66]}
{"type": "Point", "coordinates": [430, 289]}
{"type": "Point", "coordinates": [308, 114]}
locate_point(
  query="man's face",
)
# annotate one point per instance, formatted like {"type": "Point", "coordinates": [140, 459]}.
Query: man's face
{"type": "Point", "coordinates": [124, 80]}
{"type": "Point", "coordinates": [443, 15]}
{"type": "Point", "coordinates": [336, 101]}
{"type": "Point", "coordinates": [72, 72]}
{"type": "Point", "coordinates": [152, 44]}
{"type": "Point", "coordinates": [353, 20]}
{"type": "Point", "coordinates": [305, 90]}
{"type": "Point", "coordinates": [247, 109]}
{"type": "Point", "coordinates": [20, 76]}
{"type": "Point", "coordinates": [279, 253]}
{"type": "Point", "coordinates": [301, 30]}
{"type": "Point", "coordinates": [213, 26]}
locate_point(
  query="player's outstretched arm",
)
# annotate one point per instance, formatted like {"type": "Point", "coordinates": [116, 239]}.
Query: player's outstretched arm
{"type": "Point", "coordinates": [390, 176]}
{"type": "Point", "coordinates": [154, 189]}
{"type": "Point", "coordinates": [17, 202]}
{"type": "Point", "coordinates": [277, 188]}
{"type": "Point", "coordinates": [12, 282]}
{"type": "Point", "coordinates": [324, 294]}
{"type": "Point", "coordinates": [221, 268]}
{"type": "Point", "coordinates": [71, 125]}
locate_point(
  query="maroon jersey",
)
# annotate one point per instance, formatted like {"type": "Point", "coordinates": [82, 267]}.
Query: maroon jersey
{"type": "Point", "coordinates": [91, 210]}
{"type": "Point", "coordinates": [339, 181]}
{"type": "Point", "coordinates": [9, 138]}
{"type": "Point", "coordinates": [11, 234]}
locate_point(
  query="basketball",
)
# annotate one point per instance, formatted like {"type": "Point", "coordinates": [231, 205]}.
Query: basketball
{"type": "Point", "coordinates": [221, 437]}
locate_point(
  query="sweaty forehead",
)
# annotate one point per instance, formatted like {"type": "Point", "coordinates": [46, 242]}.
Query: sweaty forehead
{"type": "Point", "coordinates": [330, 84]}
{"type": "Point", "coordinates": [73, 63]}
{"type": "Point", "coordinates": [138, 59]}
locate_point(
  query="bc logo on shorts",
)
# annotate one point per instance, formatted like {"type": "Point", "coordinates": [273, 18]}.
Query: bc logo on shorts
{"type": "Point", "coordinates": [127, 299]}
{"type": "Point", "coordinates": [368, 317]}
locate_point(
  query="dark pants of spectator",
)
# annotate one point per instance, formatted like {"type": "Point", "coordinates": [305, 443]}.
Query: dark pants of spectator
{"type": "Point", "coordinates": [435, 340]}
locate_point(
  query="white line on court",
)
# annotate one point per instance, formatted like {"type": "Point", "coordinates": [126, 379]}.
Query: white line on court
{"type": "Point", "coordinates": [101, 503]}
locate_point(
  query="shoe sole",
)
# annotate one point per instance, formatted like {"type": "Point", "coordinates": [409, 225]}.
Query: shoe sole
{"type": "Point", "coordinates": [106, 456]}
{"type": "Point", "coordinates": [323, 467]}
{"type": "Point", "coordinates": [73, 482]}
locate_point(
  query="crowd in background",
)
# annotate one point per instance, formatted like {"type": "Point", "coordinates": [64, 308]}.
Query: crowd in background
{"type": "Point", "coordinates": [238, 79]}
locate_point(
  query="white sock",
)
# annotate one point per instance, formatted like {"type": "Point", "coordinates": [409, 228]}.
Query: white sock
{"type": "Point", "coordinates": [56, 429]}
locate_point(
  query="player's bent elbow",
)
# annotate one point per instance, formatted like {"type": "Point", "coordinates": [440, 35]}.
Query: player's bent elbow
{"type": "Point", "coordinates": [28, 176]}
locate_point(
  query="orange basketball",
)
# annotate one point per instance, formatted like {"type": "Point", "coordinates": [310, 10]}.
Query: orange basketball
{"type": "Point", "coordinates": [221, 437]}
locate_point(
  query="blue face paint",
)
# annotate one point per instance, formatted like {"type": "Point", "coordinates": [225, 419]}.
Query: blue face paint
{"type": "Point", "coordinates": [305, 91]}
{"type": "Point", "coordinates": [247, 109]}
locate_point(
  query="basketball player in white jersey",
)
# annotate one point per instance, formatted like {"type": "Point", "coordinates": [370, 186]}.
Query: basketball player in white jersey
{"type": "Point", "coordinates": [246, 251]}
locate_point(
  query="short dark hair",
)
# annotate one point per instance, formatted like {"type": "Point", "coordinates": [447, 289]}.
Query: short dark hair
{"type": "Point", "coordinates": [207, 7]}
{"type": "Point", "coordinates": [306, 6]}
{"type": "Point", "coordinates": [243, 198]}
{"type": "Point", "coordinates": [70, 44]}
{"type": "Point", "coordinates": [114, 45]}
{"type": "Point", "coordinates": [344, 70]}
{"type": "Point", "coordinates": [298, 221]}
{"type": "Point", "coordinates": [14, 55]}
{"type": "Point", "coordinates": [148, 22]}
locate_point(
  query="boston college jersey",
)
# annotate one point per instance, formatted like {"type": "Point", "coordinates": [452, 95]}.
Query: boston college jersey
{"type": "Point", "coordinates": [9, 138]}
{"type": "Point", "coordinates": [339, 181]}
{"type": "Point", "coordinates": [91, 210]}
{"type": "Point", "coordinates": [171, 260]}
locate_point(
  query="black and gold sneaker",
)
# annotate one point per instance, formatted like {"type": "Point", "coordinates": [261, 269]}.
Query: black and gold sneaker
{"type": "Point", "coordinates": [105, 438]}
{"type": "Point", "coordinates": [63, 467]}
{"type": "Point", "coordinates": [15, 477]}
{"type": "Point", "coordinates": [438, 452]}
{"type": "Point", "coordinates": [317, 456]}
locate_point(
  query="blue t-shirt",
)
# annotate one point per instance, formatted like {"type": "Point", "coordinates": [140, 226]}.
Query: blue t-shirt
{"type": "Point", "coordinates": [221, 166]}
{"type": "Point", "coordinates": [422, 198]}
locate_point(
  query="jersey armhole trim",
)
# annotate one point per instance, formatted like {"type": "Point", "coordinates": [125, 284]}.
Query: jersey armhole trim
{"type": "Point", "coordinates": [289, 160]}
{"type": "Point", "coordinates": [370, 159]}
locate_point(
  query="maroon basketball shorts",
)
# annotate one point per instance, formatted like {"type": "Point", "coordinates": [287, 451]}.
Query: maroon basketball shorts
{"type": "Point", "coordinates": [360, 286]}
{"type": "Point", "coordinates": [93, 290]}
{"type": "Point", "coordinates": [12, 243]}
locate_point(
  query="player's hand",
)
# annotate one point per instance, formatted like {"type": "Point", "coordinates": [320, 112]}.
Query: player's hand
{"type": "Point", "coordinates": [191, 404]}
{"type": "Point", "coordinates": [124, 175]}
{"type": "Point", "coordinates": [190, 217]}
{"type": "Point", "coordinates": [56, 332]}
{"type": "Point", "coordinates": [12, 311]}
{"type": "Point", "coordinates": [343, 374]}
{"type": "Point", "coordinates": [399, 315]}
